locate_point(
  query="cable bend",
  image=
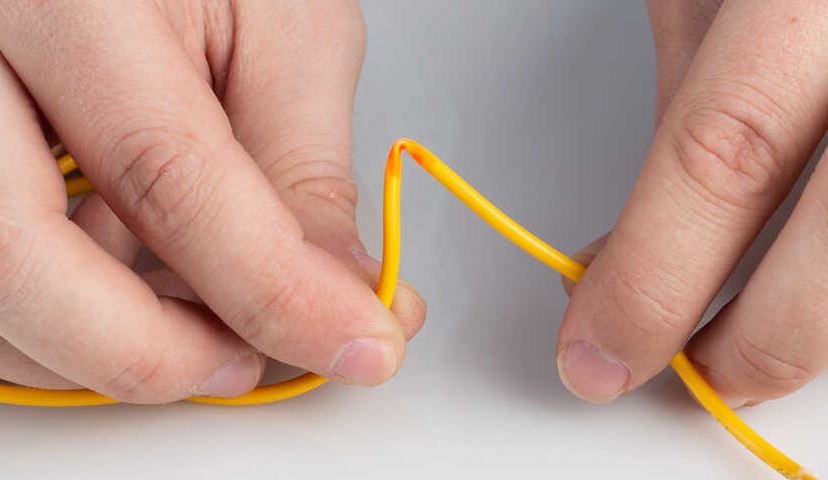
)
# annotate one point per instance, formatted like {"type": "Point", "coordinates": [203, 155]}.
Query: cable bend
{"type": "Point", "coordinates": [498, 220]}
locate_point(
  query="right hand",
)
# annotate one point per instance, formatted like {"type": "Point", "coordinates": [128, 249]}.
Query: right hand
{"type": "Point", "coordinates": [743, 103]}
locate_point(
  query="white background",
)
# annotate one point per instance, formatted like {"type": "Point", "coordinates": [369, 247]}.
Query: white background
{"type": "Point", "coordinates": [545, 106]}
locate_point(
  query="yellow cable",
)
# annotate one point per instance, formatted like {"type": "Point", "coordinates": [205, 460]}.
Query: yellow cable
{"type": "Point", "coordinates": [760, 447]}
{"type": "Point", "coordinates": [557, 261]}
{"type": "Point", "coordinates": [67, 165]}
{"type": "Point", "coordinates": [521, 237]}
{"type": "Point", "coordinates": [78, 186]}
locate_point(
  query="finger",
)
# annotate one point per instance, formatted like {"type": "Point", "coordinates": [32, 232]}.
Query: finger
{"type": "Point", "coordinates": [678, 26]}
{"type": "Point", "coordinates": [95, 218]}
{"type": "Point", "coordinates": [298, 126]}
{"type": "Point", "coordinates": [408, 305]}
{"type": "Point", "coordinates": [737, 133]}
{"type": "Point", "coordinates": [16, 367]}
{"type": "Point", "coordinates": [771, 340]}
{"type": "Point", "coordinates": [149, 133]}
{"type": "Point", "coordinates": [166, 283]}
{"type": "Point", "coordinates": [91, 320]}
{"type": "Point", "coordinates": [77, 311]}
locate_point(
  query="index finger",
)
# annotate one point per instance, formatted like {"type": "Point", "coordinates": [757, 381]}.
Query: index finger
{"type": "Point", "coordinates": [749, 112]}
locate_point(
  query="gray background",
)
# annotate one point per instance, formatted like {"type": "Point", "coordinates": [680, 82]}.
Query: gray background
{"type": "Point", "coordinates": [546, 107]}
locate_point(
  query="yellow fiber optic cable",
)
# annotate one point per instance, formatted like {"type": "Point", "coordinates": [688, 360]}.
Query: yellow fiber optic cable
{"type": "Point", "coordinates": [507, 227]}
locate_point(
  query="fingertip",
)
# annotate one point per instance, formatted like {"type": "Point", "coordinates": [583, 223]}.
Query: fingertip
{"type": "Point", "coordinates": [408, 305]}
{"type": "Point", "coordinates": [410, 309]}
{"type": "Point", "coordinates": [367, 362]}
{"type": "Point", "coordinates": [234, 378]}
{"type": "Point", "coordinates": [592, 374]}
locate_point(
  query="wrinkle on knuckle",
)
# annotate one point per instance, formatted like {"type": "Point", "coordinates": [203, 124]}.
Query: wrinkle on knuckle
{"type": "Point", "coordinates": [138, 378]}
{"type": "Point", "coordinates": [163, 183]}
{"type": "Point", "coordinates": [340, 193]}
{"type": "Point", "coordinates": [768, 368]}
{"type": "Point", "coordinates": [730, 154]}
{"type": "Point", "coordinates": [650, 313]}
{"type": "Point", "coordinates": [315, 170]}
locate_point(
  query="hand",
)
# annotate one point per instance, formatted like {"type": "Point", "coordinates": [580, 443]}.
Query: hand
{"type": "Point", "coordinates": [742, 104]}
{"type": "Point", "coordinates": [219, 133]}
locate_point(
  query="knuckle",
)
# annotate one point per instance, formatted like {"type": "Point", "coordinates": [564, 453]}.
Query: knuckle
{"type": "Point", "coordinates": [138, 378]}
{"type": "Point", "coordinates": [768, 367]}
{"type": "Point", "coordinates": [337, 192]}
{"type": "Point", "coordinates": [729, 147]}
{"type": "Point", "coordinates": [162, 181]}
{"type": "Point", "coordinates": [649, 312]}
{"type": "Point", "coordinates": [314, 171]}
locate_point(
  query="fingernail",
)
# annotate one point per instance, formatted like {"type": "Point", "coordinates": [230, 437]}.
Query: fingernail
{"type": "Point", "coordinates": [234, 378]}
{"type": "Point", "coordinates": [592, 374]}
{"type": "Point", "coordinates": [366, 361]}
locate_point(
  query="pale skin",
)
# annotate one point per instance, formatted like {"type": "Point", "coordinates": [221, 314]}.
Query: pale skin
{"type": "Point", "coordinates": [742, 104]}
{"type": "Point", "coordinates": [217, 134]}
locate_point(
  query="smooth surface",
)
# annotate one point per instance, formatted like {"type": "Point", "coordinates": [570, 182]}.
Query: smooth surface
{"type": "Point", "coordinates": [564, 88]}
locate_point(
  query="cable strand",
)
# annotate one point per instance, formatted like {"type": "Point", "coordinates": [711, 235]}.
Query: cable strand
{"type": "Point", "coordinates": [386, 286]}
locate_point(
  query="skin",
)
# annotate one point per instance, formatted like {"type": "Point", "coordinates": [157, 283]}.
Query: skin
{"type": "Point", "coordinates": [742, 104]}
{"type": "Point", "coordinates": [217, 134]}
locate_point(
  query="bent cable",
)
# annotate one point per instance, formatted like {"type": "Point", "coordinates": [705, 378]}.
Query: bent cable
{"type": "Point", "coordinates": [497, 219]}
